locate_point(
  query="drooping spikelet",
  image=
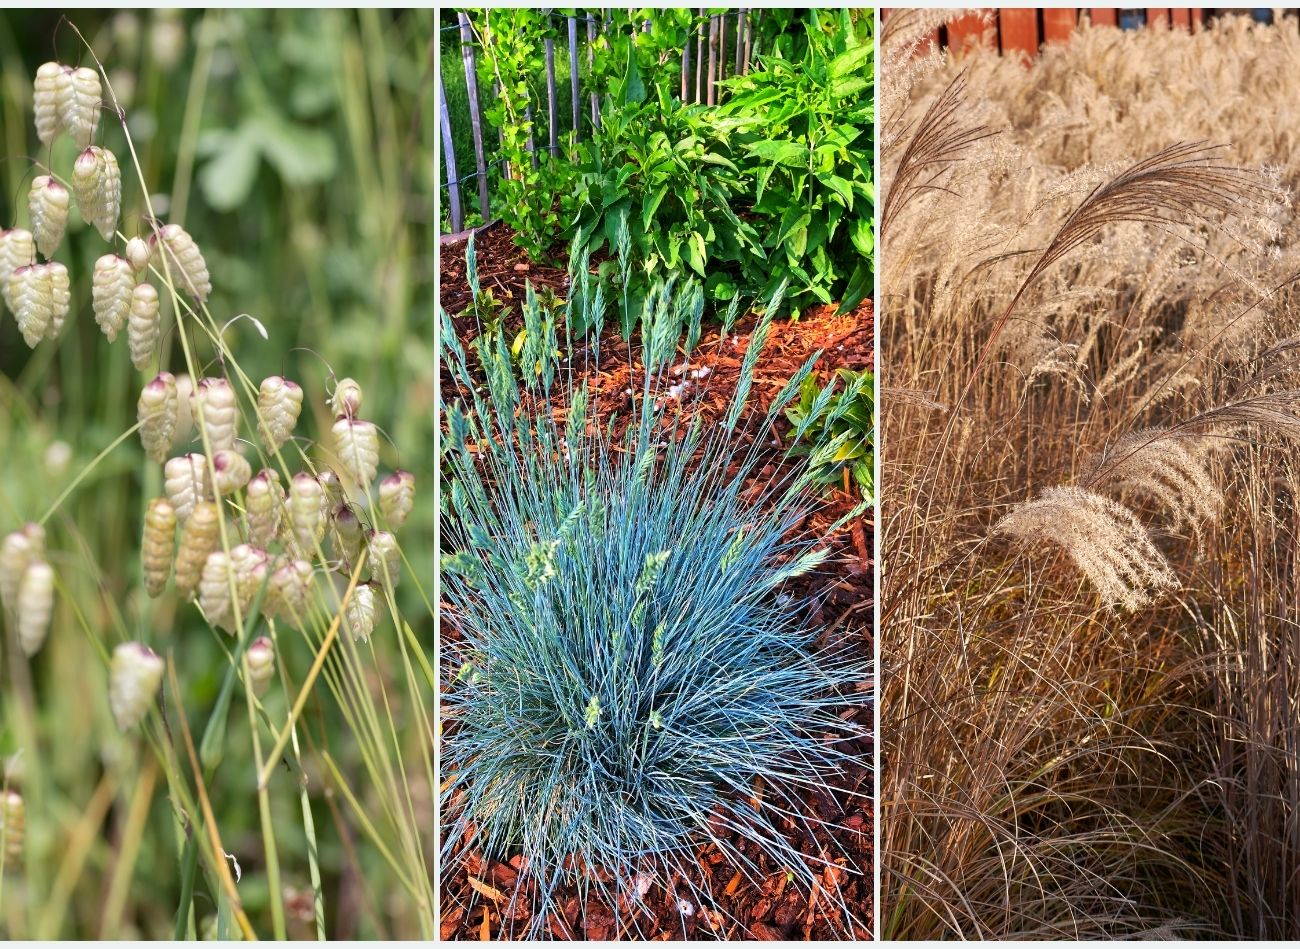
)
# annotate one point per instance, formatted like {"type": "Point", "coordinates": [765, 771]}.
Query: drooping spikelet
{"type": "Point", "coordinates": [17, 248]}
{"type": "Point", "coordinates": [189, 269]}
{"type": "Point", "coordinates": [359, 613]}
{"type": "Point", "coordinates": [185, 482]}
{"type": "Point", "coordinates": [385, 558]}
{"type": "Point", "coordinates": [200, 537]}
{"type": "Point", "coordinates": [78, 95]}
{"type": "Point", "coordinates": [279, 402]}
{"type": "Point", "coordinates": [138, 253]}
{"type": "Point", "coordinates": [35, 606]}
{"type": "Point", "coordinates": [48, 203]}
{"type": "Point", "coordinates": [264, 507]}
{"type": "Point", "coordinates": [134, 678]}
{"type": "Point", "coordinates": [158, 545]}
{"type": "Point", "coordinates": [110, 294]}
{"type": "Point", "coordinates": [156, 413]}
{"type": "Point", "coordinates": [346, 400]}
{"type": "Point", "coordinates": [356, 443]}
{"type": "Point", "coordinates": [214, 404]}
{"type": "Point", "coordinates": [97, 184]}
{"type": "Point", "coordinates": [13, 826]}
{"type": "Point", "coordinates": [307, 512]}
{"type": "Point", "coordinates": [261, 664]}
{"type": "Point", "coordinates": [231, 471]}
{"type": "Point", "coordinates": [347, 533]}
{"type": "Point", "coordinates": [214, 589]}
{"type": "Point", "coordinates": [60, 297]}
{"type": "Point", "coordinates": [143, 324]}
{"type": "Point", "coordinates": [397, 498]}
{"type": "Point", "coordinates": [32, 300]}
{"type": "Point", "coordinates": [1105, 540]}
{"type": "Point", "coordinates": [250, 565]}
{"type": "Point", "coordinates": [45, 101]}
{"type": "Point", "coordinates": [286, 596]}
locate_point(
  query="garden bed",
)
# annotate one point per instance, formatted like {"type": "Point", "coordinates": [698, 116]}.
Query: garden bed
{"type": "Point", "coordinates": [840, 591]}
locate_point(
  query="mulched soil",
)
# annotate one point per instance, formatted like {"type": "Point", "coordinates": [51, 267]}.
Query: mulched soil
{"type": "Point", "coordinates": [841, 592]}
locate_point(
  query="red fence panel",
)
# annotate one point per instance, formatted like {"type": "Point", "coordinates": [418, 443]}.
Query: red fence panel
{"type": "Point", "coordinates": [1104, 16]}
{"type": "Point", "coordinates": [969, 29]}
{"type": "Point", "coordinates": [1058, 24]}
{"type": "Point", "coordinates": [1018, 32]}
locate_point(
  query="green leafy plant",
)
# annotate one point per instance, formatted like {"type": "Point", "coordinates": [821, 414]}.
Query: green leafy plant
{"type": "Point", "coordinates": [838, 428]}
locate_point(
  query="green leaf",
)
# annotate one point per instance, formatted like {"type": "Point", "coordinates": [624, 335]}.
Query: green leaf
{"type": "Point", "coordinates": [695, 255]}
{"type": "Point", "coordinates": [781, 152]}
{"type": "Point", "coordinates": [850, 61]}
{"type": "Point", "coordinates": [301, 155]}
{"type": "Point", "coordinates": [227, 178]}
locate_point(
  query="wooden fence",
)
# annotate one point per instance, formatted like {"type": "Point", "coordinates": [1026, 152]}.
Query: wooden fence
{"type": "Point", "coordinates": [719, 41]}
{"type": "Point", "coordinates": [1023, 31]}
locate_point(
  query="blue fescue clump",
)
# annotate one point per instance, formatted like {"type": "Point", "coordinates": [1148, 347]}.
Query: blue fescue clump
{"type": "Point", "coordinates": [634, 679]}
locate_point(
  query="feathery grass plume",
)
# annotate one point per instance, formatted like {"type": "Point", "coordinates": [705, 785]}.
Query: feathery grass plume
{"type": "Point", "coordinates": [230, 471]}
{"type": "Point", "coordinates": [356, 445]}
{"type": "Point", "coordinates": [134, 679]}
{"type": "Point", "coordinates": [156, 412]}
{"type": "Point", "coordinates": [143, 326]}
{"type": "Point", "coordinates": [35, 606]}
{"type": "Point", "coordinates": [629, 673]}
{"type": "Point", "coordinates": [185, 482]}
{"type": "Point", "coordinates": [32, 300]}
{"type": "Point", "coordinates": [307, 512]}
{"type": "Point", "coordinates": [1165, 466]}
{"type": "Point", "coordinates": [346, 400]}
{"type": "Point", "coordinates": [397, 498]}
{"type": "Point", "coordinates": [138, 253]}
{"type": "Point", "coordinates": [13, 826]}
{"type": "Point", "coordinates": [360, 613]}
{"type": "Point", "coordinates": [200, 535]}
{"type": "Point", "coordinates": [60, 297]}
{"type": "Point", "coordinates": [279, 402]}
{"type": "Point", "coordinates": [188, 260]}
{"type": "Point", "coordinates": [288, 591]}
{"type": "Point", "coordinates": [97, 185]}
{"type": "Point", "coordinates": [158, 545]}
{"type": "Point", "coordinates": [385, 558]}
{"type": "Point", "coordinates": [45, 101]}
{"type": "Point", "coordinates": [214, 399]}
{"type": "Point", "coordinates": [48, 203]}
{"type": "Point", "coordinates": [264, 507]}
{"type": "Point", "coordinates": [78, 95]}
{"type": "Point", "coordinates": [110, 294]}
{"type": "Point", "coordinates": [260, 656]}
{"type": "Point", "coordinates": [17, 248]}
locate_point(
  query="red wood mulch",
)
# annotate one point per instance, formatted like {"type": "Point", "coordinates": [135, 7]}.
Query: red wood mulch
{"type": "Point", "coordinates": [842, 591]}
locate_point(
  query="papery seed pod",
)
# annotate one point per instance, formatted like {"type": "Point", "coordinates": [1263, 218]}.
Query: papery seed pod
{"type": "Point", "coordinates": [347, 534]}
{"type": "Point", "coordinates": [48, 203]}
{"type": "Point", "coordinates": [97, 185]}
{"type": "Point", "coordinates": [138, 253]}
{"type": "Point", "coordinates": [134, 678]}
{"type": "Point", "coordinates": [346, 400]}
{"type": "Point", "coordinates": [35, 606]}
{"type": "Point", "coordinates": [279, 402]}
{"type": "Point", "coordinates": [214, 402]}
{"type": "Point", "coordinates": [397, 498]}
{"type": "Point", "coordinates": [385, 558]}
{"type": "Point", "coordinates": [13, 826]}
{"type": "Point", "coordinates": [143, 325]}
{"type": "Point", "coordinates": [60, 298]}
{"type": "Point", "coordinates": [356, 443]}
{"type": "Point", "coordinates": [306, 512]}
{"type": "Point", "coordinates": [264, 507]}
{"type": "Point", "coordinates": [185, 482]}
{"type": "Point", "coordinates": [201, 536]}
{"type": "Point", "coordinates": [250, 565]}
{"type": "Point", "coordinates": [156, 413]}
{"type": "Point", "coordinates": [261, 664]}
{"type": "Point", "coordinates": [359, 613]}
{"type": "Point", "coordinates": [188, 263]}
{"type": "Point", "coordinates": [17, 248]}
{"type": "Point", "coordinates": [232, 471]}
{"type": "Point", "coordinates": [110, 294]}
{"type": "Point", "coordinates": [32, 300]}
{"type": "Point", "coordinates": [184, 432]}
{"type": "Point", "coordinates": [158, 544]}
{"type": "Point", "coordinates": [45, 101]}
{"type": "Point", "coordinates": [214, 590]}
{"type": "Point", "coordinates": [78, 94]}
{"type": "Point", "coordinates": [286, 596]}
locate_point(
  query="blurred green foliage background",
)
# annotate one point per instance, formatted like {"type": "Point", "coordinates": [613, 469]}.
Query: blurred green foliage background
{"type": "Point", "coordinates": [296, 146]}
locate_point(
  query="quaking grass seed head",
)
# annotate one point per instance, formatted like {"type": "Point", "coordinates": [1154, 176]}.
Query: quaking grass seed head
{"type": "Point", "coordinates": [346, 401]}
{"type": "Point", "coordinates": [356, 445]}
{"type": "Point", "coordinates": [185, 482]}
{"type": "Point", "coordinates": [156, 413]}
{"type": "Point", "coordinates": [110, 294]}
{"type": "Point", "coordinates": [48, 203]}
{"type": "Point", "coordinates": [231, 470]}
{"type": "Point", "coordinates": [307, 512]}
{"type": "Point", "coordinates": [35, 606]}
{"type": "Point", "coordinates": [45, 101]}
{"type": "Point", "coordinates": [214, 590]}
{"type": "Point", "coordinates": [138, 252]}
{"type": "Point", "coordinates": [287, 594]}
{"type": "Point", "coordinates": [201, 535]}
{"type": "Point", "coordinates": [78, 95]}
{"type": "Point", "coordinates": [97, 184]}
{"type": "Point", "coordinates": [264, 507]}
{"type": "Point", "coordinates": [17, 249]}
{"type": "Point", "coordinates": [360, 613]}
{"type": "Point", "coordinates": [190, 270]}
{"type": "Point", "coordinates": [261, 664]}
{"type": "Point", "coordinates": [158, 545]}
{"type": "Point", "coordinates": [32, 300]}
{"type": "Point", "coordinates": [143, 325]}
{"type": "Point", "coordinates": [397, 498]}
{"type": "Point", "coordinates": [385, 558]}
{"type": "Point", "coordinates": [279, 403]}
{"type": "Point", "coordinates": [13, 826]}
{"type": "Point", "coordinates": [214, 402]}
{"type": "Point", "coordinates": [134, 680]}
{"type": "Point", "coordinates": [60, 298]}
